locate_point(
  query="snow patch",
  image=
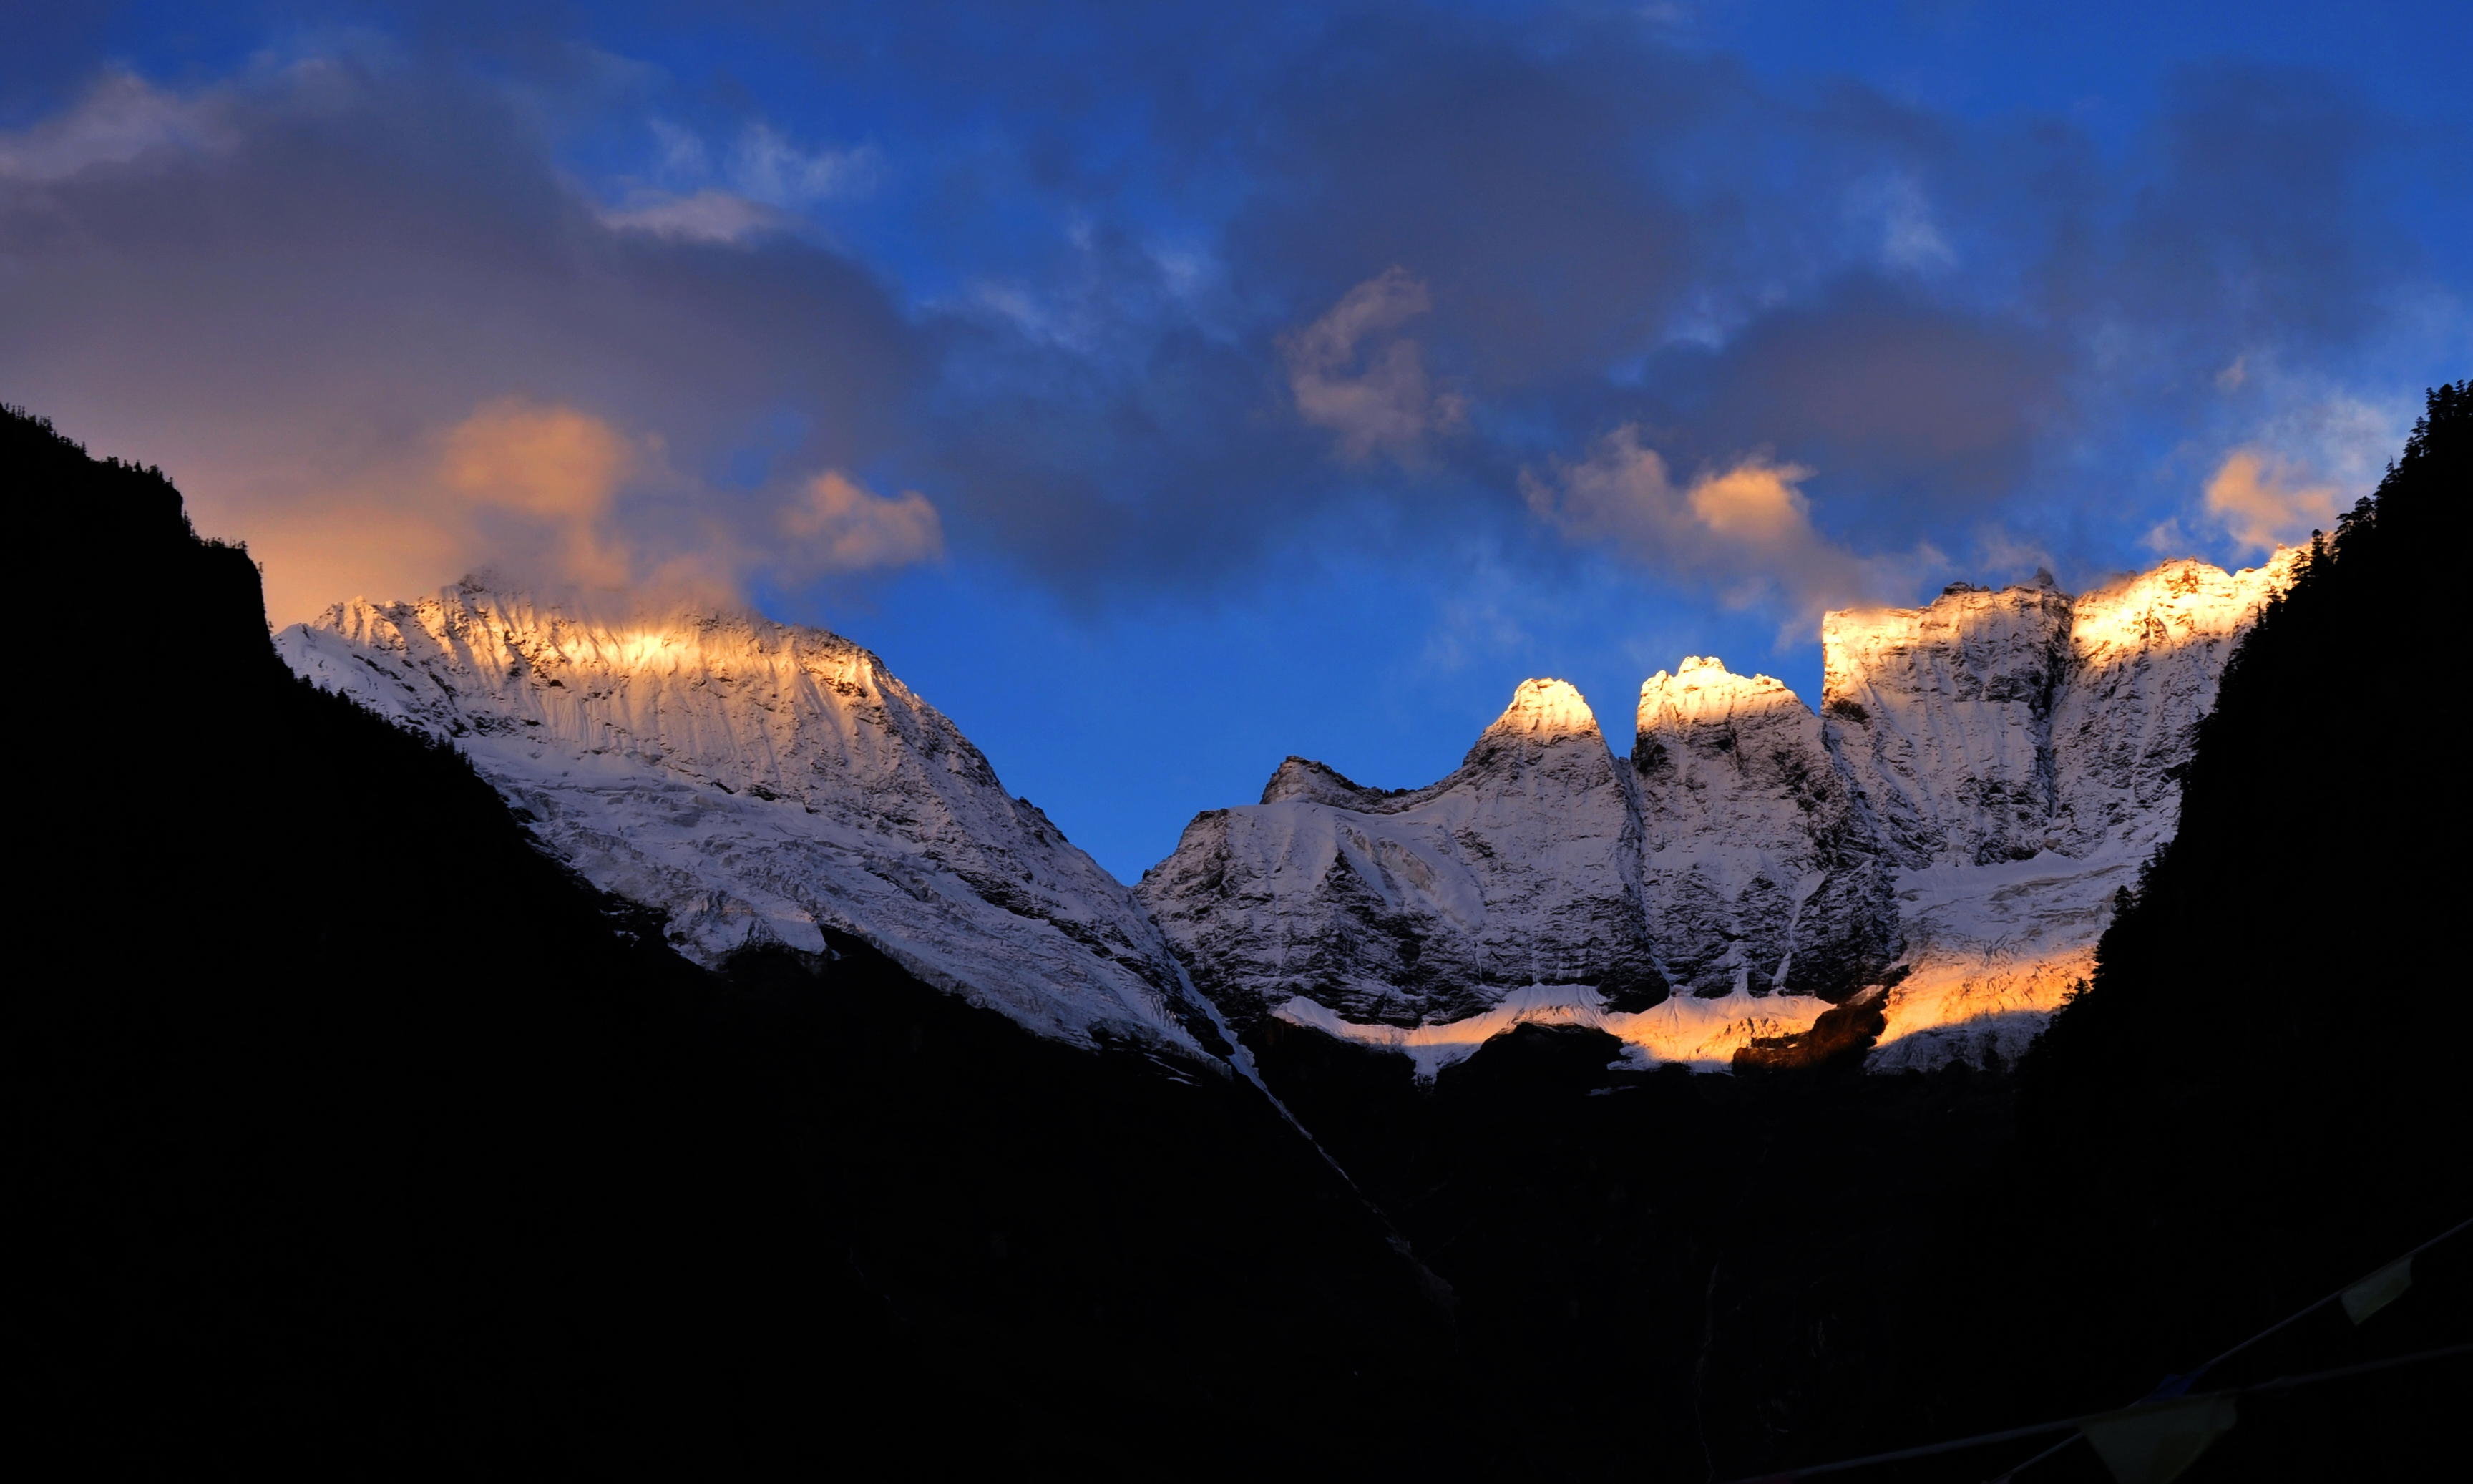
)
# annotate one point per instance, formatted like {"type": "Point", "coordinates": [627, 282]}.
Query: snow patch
{"type": "Point", "coordinates": [1702, 1034]}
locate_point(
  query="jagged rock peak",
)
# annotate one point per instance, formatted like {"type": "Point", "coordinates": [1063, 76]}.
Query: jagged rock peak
{"type": "Point", "coordinates": [1303, 778]}
{"type": "Point", "coordinates": [1545, 709]}
{"type": "Point", "coordinates": [1986, 771]}
{"type": "Point", "coordinates": [1754, 873]}
{"type": "Point", "coordinates": [1702, 689]}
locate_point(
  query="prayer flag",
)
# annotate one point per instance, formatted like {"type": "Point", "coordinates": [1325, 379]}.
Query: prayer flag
{"type": "Point", "coordinates": [2152, 1444]}
{"type": "Point", "coordinates": [2378, 1290]}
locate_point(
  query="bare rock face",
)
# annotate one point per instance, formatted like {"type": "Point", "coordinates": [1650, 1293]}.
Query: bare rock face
{"type": "Point", "coordinates": [1759, 873]}
{"type": "Point", "coordinates": [1943, 717]}
{"type": "Point", "coordinates": [1397, 909]}
{"type": "Point", "coordinates": [755, 782]}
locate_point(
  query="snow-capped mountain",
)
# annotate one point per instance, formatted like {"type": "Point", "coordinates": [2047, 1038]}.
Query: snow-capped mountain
{"type": "Point", "coordinates": [1522, 866]}
{"type": "Point", "coordinates": [1986, 773]}
{"type": "Point", "coordinates": [760, 782]}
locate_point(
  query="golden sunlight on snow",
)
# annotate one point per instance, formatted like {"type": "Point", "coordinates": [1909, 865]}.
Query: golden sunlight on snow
{"type": "Point", "coordinates": [1547, 706]}
{"type": "Point", "coordinates": [1944, 996]}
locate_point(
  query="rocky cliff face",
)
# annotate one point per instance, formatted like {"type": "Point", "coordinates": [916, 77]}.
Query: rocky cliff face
{"type": "Point", "coordinates": [2145, 654]}
{"type": "Point", "coordinates": [756, 782]}
{"type": "Point", "coordinates": [1986, 771]}
{"type": "Point", "coordinates": [1757, 871]}
{"type": "Point", "coordinates": [1943, 719]}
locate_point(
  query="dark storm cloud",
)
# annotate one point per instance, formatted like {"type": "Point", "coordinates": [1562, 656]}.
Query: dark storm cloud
{"type": "Point", "coordinates": [1144, 293]}
{"type": "Point", "coordinates": [2251, 225]}
{"type": "Point", "coordinates": [1912, 408]}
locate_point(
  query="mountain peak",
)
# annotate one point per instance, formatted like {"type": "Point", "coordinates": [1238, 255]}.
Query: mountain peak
{"type": "Point", "coordinates": [1703, 690]}
{"type": "Point", "coordinates": [1546, 708]}
{"type": "Point", "coordinates": [1303, 778]}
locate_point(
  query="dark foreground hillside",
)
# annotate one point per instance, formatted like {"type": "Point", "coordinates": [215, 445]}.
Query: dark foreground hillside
{"type": "Point", "coordinates": [2266, 1092]}
{"type": "Point", "coordinates": [355, 1133]}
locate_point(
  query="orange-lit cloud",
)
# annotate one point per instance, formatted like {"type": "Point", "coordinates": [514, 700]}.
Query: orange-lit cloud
{"type": "Point", "coordinates": [552, 497]}
{"type": "Point", "coordinates": [1746, 530]}
{"type": "Point", "coordinates": [1387, 405]}
{"type": "Point", "coordinates": [2264, 505]}
{"type": "Point", "coordinates": [1753, 503]}
{"type": "Point", "coordinates": [839, 527]}
{"type": "Point", "coordinates": [554, 470]}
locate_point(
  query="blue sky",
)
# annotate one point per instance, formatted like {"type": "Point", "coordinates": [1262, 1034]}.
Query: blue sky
{"type": "Point", "coordinates": [1162, 390]}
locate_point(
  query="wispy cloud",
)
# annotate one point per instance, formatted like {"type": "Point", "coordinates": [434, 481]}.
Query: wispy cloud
{"type": "Point", "coordinates": [765, 165]}
{"type": "Point", "coordinates": [763, 184]}
{"type": "Point", "coordinates": [119, 119]}
{"type": "Point", "coordinates": [1353, 375]}
{"type": "Point", "coordinates": [835, 526]}
{"type": "Point", "coordinates": [1895, 209]}
{"type": "Point", "coordinates": [709, 215]}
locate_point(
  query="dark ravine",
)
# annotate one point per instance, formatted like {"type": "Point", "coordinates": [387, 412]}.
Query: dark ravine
{"type": "Point", "coordinates": [339, 1163]}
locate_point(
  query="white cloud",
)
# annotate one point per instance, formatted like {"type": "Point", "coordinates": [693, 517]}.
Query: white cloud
{"type": "Point", "coordinates": [680, 153]}
{"type": "Point", "coordinates": [761, 181]}
{"type": "Point", "coordinates": [1351, 375]}
{"type": "Point", "coordinates": [1895, 207]}
{"type": "Point", "coordinates": [706, 216]}
{"type": "Point", "coordinates": [767, 167]}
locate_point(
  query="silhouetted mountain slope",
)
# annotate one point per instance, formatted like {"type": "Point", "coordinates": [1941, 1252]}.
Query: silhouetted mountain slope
{"type": "Point", "coordinates": [363, 1132]}
{"type": "Point", "coordinates": [360, 1133]}
{"type": "Point", "coordinates": [2252, 1105]}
